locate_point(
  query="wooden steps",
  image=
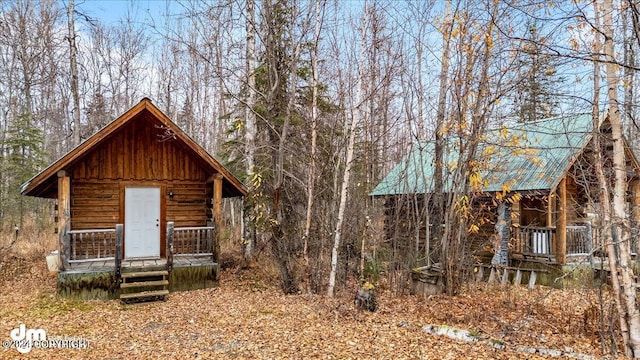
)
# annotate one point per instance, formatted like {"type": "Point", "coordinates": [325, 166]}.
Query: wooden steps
{"type": "Point", "coordinates": [144, 294]}
{"type": "Point", "coordinates": [141, 285]}
{"type": "Point", "coordinates": [142, 273]}
{"type": "Point", "coordinates": [144, 283]}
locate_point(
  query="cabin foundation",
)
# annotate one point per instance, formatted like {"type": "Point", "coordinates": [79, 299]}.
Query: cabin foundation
{"type": "Point", "coordinates": [103, 283]}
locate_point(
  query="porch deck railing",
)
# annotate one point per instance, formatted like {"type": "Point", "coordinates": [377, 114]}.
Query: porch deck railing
{"type": "Point", "coordinates": [106, 244]}
{"type": "Point", "coordinates": [531, 240]}
{"type": "Point", "coordinates": [190, 241]}
{"type": "Point", "coordinates": [91, 244]}
{"type": "Point", "coordinates": [579, 239]}
{"type": "Point", "coordinates": [193, 240]}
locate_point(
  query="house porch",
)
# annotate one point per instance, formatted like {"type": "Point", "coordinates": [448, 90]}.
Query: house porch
{"type": "Point", "coordinates": [93, 266]}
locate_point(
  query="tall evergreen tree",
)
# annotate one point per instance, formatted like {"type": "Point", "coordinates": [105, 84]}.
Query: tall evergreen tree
{"type": "Point", "coordinates": [24, 158]}
{"type": "Point", "coordinates": [538, 83]}
{"type": "Point", "coordinates": [276, 80]}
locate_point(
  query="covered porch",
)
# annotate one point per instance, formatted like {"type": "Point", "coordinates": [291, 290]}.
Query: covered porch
{"type": "Point", "coordinates": [562, 226]}
{"type": "Point", "coordinates": [541, 243]}
{"type": "Point", "coordinates": [101, 249]}
{"type": "Point", "coordinates": [93, 265]}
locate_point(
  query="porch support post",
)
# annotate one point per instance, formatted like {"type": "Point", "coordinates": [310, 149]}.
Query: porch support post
{"type": "Point", "coordinates": [551, 208]}
{"type": "Point", "coordinates": [118, 254]}
{"type": "Point", "coordinates": [169, 245]}
{"type": "Point", "coordinates": [561, 228]}
{"type": "Point", "coordinates": [217, 214]}
{"type": "Point", "coordinates": [64, 216]}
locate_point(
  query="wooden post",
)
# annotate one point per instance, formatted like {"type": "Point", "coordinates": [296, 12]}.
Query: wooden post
{"type": "Point", "coordinates": [561, 228]}
{"type": "Point", "coordinates": [492, 275]}
{"type": "Point", "coordinates": [480, 273]}
{"type": "Point", "coordinates": [532, 279]}
{"type": "Point", "coordinates": [209, 234]}
{"type": "Point", "coordinates": [551, 211]}
{"type": "Point", "coordinates": [118, 255]}
{"type": "Point", "coordinates": [505, 277]}
{"type": "Point", "coordinates": [217, 214]}
{"type": "Point", "coordinates": [65, 251]}
{"type": "Point", "coordinates": [517, 280]}
{"type": "Point", "coordinates": [64, 216]}
{"type": "Point", "coordinates": [169, 245]}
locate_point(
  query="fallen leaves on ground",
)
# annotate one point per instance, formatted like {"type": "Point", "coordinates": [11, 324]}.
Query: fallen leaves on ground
{"type": "Point", "coordinates": [245, 319]}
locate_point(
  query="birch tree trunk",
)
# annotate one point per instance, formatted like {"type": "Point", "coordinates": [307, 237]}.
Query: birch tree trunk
{"type": "Point", "coordinates": [250, 126]}
{"type": "Point", "coordinates": [312, 163]}
{"type": "Point", "coordinates": [355, 116]}
{"type": "Point", "coordinates": [620, 222]}
{"type": "Point", "coordinates": [73, 62]}
{"type": "Point", "coordinates": [438, 193]}
{"type": "Point", "coordinates": [603, 184]}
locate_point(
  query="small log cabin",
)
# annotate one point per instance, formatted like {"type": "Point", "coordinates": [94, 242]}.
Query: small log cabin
{"type": "Point", "coordinates": [539, 176]}
{"type": "Point", "coordinates": [138, 195]}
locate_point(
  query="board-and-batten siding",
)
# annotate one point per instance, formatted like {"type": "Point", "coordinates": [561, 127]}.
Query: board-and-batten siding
{"type": "Point", "coordinates": [138, 154]}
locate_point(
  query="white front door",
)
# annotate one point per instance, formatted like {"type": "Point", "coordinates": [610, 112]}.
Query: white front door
{"type": "Point", "coordinates": [141, 222]}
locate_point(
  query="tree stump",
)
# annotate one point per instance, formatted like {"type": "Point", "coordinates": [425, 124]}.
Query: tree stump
{"type": "Point", "coordinates": [365, 298]}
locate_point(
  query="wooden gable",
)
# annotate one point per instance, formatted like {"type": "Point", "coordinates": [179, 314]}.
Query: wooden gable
{"type": "Point", "coordinates": [141, 145]}
{"type": "Point", "coordinates": [140, 150]}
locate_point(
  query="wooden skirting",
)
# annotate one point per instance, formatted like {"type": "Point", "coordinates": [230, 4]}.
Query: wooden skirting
{"type": "Point", "coordinates": [98, 280]}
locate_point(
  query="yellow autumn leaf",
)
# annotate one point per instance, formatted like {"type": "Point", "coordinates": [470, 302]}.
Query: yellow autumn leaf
{"type": "Point", "coordinates": [488, 151]}
{"type": "Point", "coordinates": [504, 131]}
{"type": "Point", "coordinates": [488, 41]}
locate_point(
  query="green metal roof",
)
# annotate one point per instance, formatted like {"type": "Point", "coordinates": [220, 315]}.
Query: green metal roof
{"type": "Point", "coordinates": [522, 157]}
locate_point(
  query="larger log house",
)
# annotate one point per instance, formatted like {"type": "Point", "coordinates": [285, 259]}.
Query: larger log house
{"type": "Point", "coordinates": [138, 196]}
{"type": "Point", "coordinates": [536, 178]}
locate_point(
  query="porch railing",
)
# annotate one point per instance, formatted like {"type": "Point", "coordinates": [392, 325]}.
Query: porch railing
{"type": "Point", "coordinates": [91, 245]}
{"type": "Point", "coordinates": [186, 241]}
{"type": "Point", "coordinates": [542, 240]}
{"type": "Point", "coordinates": [193, 240]}
{"type": "Point", "coordinates": [103, 244]}
{"type": "Point", "coordinates": [534, 240]}
{"type": "Point", "coordinates": [579, 239]}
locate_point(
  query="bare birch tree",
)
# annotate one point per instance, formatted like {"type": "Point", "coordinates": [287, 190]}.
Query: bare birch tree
{"type": "Point", "coordinates": [620, 253]}
{"type": "Point", "coordinates": [355, 116]}
{"type": "Point", "coordinates": [73, 64]}
{"type": "Point", "coordinates": [249, 235]}
{"type": "Point", "coordinates": [311, 178]}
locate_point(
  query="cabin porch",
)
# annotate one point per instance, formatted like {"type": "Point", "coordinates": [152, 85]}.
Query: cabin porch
{"type": "Point", "coordinates": [541, 243]}
{"type": "Point", "coordinates": [93, 266]}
